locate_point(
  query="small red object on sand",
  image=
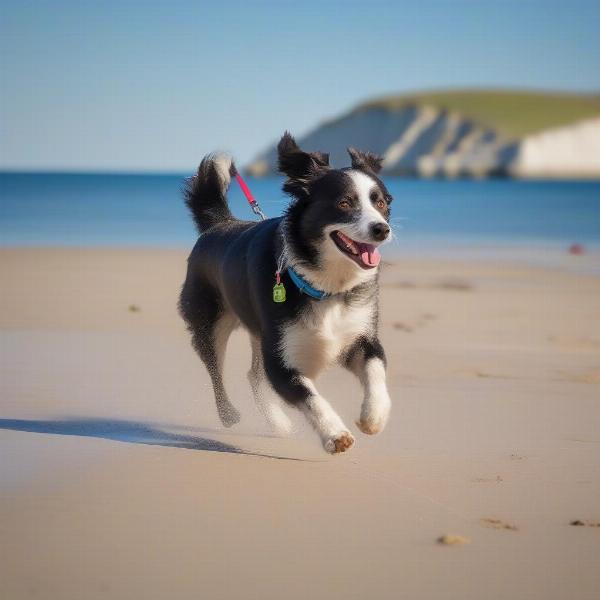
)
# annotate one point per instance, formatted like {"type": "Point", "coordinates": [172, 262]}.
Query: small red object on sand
{"type": "Point", "coordinates": [576, 249]}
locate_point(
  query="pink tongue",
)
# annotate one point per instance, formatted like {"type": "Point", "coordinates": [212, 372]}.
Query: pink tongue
{"type": "Point", "coordinates": [369, 254]}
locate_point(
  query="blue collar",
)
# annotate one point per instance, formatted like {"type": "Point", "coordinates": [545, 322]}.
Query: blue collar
{"type": "Point", "coordinates": [305, 287]}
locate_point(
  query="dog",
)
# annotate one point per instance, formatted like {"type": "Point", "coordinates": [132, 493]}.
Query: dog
{"type": "Point", "coordinates": [325, 251]}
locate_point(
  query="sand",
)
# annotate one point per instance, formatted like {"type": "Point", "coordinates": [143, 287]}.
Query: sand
{"type": "Point", "coordinates": [117, 481]}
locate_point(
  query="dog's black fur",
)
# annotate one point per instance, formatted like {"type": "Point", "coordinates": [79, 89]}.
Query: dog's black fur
{"type": "Point", "coordinates": [231, 270]}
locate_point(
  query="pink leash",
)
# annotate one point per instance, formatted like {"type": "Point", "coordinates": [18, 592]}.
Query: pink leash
{"type": "Point", "coordinates": [251, 201]}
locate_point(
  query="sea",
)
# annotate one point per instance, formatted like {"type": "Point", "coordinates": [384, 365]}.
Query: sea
{"type": "Point", "coordinates": [429, 217]}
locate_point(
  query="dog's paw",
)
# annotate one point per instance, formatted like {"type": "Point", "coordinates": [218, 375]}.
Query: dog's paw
{"type": "Point", "coordinates": [374, 415]}
{"type": "Point", "coordinates": [229, 415]}
{"type": "Point", "coordinates": [342, 442]}
{"type": "Point", "coordinates": [370, 428]}
{"type": "Point", "coordinates": [371, 425]}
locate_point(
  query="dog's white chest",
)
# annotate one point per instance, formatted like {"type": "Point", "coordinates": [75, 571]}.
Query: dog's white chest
{"type": "Point", "coordinates": [319, 336]}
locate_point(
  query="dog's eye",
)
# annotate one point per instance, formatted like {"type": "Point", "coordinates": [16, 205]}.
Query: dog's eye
{"type": "Point", "coordinates": [344, 204]}
{"type": "Point", "coordinates": [380, 204]}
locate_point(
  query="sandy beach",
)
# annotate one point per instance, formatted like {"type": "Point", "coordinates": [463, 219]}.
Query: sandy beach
{"type": "Point", "coordinates": [117, 480]}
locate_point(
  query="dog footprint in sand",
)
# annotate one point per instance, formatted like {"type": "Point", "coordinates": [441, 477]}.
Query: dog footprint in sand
{"type": "Point", "coordinates": [496, 479]}
{"type": "Point", "coordinates": [583, 523]}
{"type": "Point", "coordinates": [420, 322]}
{"type": "Point", "coordinates": [451, 539]}
{"type": "Point", "coordinates": [498, 524]}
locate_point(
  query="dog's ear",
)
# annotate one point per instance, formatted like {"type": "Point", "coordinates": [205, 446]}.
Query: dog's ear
{"type": "Point", "coordinates": [365, 161]}
{"type": "Point", "coordinates": [300, 167]}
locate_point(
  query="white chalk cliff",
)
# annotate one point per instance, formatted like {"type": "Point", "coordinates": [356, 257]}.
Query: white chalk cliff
{"type": "Point", "coordinates": [567, 152]}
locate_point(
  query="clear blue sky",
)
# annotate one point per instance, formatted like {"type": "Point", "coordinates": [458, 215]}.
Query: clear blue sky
{"type": "Point", "coordinates": [123, 85]}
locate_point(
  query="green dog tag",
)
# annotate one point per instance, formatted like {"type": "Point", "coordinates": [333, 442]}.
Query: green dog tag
{"type": "Point", "coordinates": [278, 292]}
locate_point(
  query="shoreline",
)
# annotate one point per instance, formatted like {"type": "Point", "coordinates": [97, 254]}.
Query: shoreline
{"type": "Point", "coordinates": [532, 253]}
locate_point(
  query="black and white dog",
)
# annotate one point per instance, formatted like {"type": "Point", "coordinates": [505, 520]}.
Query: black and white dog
{"type": "Point", "coordinates": [326, 249]}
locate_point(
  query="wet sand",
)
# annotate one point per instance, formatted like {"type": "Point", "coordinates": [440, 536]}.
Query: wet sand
{"type": "Point", "coordinates": [117, 481]}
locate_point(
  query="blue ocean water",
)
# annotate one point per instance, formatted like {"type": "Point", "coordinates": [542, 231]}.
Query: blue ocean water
{"type": "Point", "coordinates": [147, 210]}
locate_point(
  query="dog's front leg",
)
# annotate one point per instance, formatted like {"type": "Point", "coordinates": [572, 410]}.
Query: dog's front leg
{"type": "Point", "coordinates": [299, 390]}
{"type": "Point", "coordinates": [366, 359]}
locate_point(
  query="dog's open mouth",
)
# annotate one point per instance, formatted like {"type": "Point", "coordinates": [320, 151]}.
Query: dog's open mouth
{"type": "Point", "coordinates": [366, 256]}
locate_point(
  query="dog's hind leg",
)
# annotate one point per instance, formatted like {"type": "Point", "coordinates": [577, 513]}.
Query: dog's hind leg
{"type": "Point", "coordinates": [212, 351]}
{"type": "Point", "coordinates": [263, 394]}
{"type": "Point", "coordinates": [211, 325]}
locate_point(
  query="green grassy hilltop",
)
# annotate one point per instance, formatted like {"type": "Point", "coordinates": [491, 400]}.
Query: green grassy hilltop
{"type": "Point", "coordinates": [510, 113]}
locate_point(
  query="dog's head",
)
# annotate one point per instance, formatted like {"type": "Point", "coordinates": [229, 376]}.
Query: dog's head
{"type": "Point", "coordinates": [337, 215]}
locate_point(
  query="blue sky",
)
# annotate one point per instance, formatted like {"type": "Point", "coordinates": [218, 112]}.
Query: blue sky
{"type": "Point", "coordinates": [144, 86]}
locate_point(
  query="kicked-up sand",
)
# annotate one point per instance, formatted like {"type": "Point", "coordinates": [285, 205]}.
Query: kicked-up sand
{"type": "Point", "coordinates": [117, 480]}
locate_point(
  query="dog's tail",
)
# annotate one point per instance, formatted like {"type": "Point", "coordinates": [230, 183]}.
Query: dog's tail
{"type": "Point", "coordinates": [206, 193]}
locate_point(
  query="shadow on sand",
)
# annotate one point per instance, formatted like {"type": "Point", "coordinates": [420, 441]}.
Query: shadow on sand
{"type": "Point", "coordinates": [131, 432]}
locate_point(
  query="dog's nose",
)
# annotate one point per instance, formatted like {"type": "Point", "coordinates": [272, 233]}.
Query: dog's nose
{"type": "Point", "coordinates": [380, 231]}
